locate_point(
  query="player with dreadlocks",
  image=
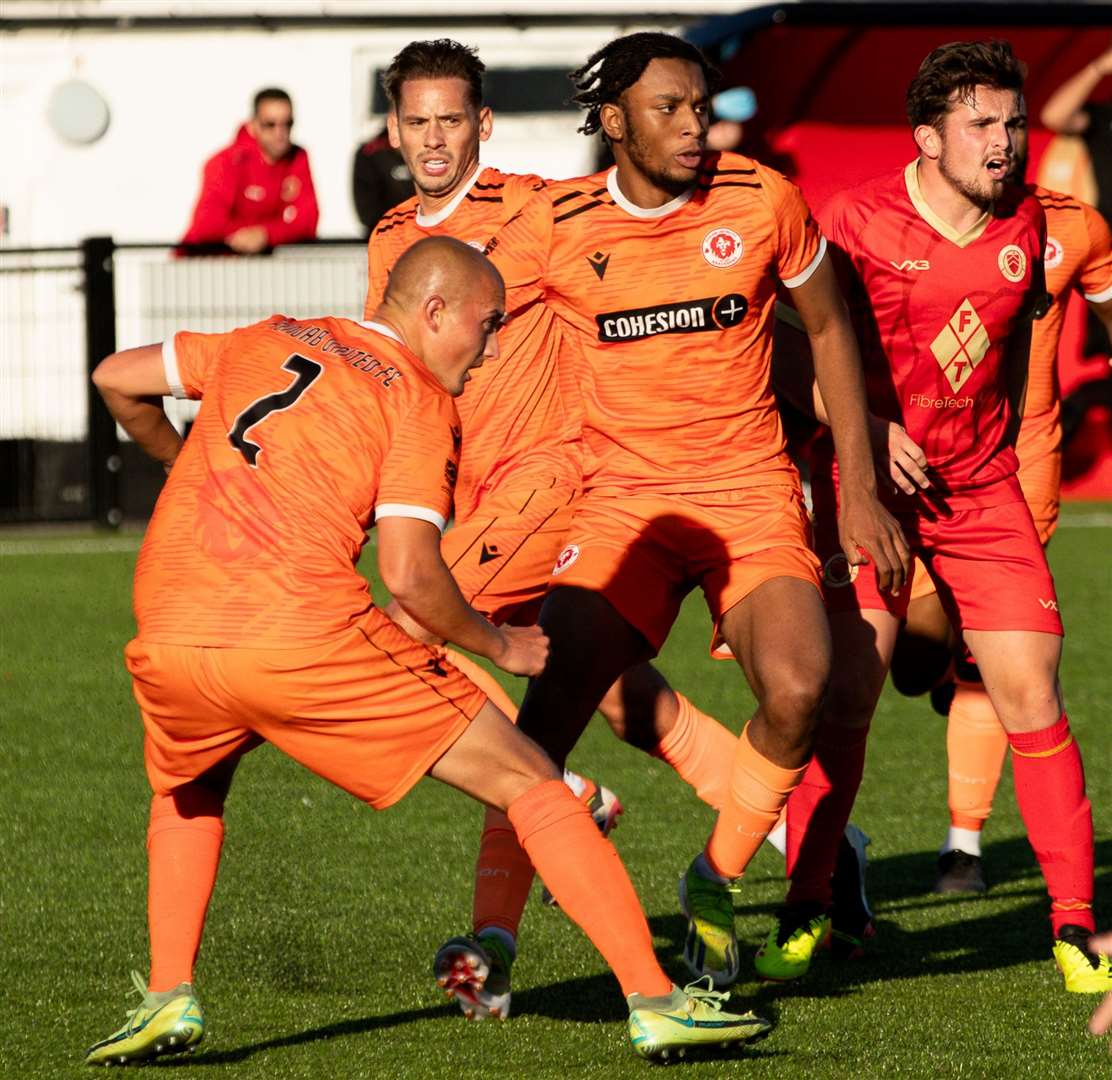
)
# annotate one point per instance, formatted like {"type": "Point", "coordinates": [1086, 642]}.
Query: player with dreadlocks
{"type": "Point", "coordinates": [665, 271]}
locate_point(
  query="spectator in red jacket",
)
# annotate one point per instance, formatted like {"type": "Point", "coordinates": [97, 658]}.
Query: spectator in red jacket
{"type": "Point", "coordinates": [258, 192]}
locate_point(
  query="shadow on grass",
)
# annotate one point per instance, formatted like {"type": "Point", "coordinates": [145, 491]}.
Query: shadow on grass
{"type": "Point", "coordinates": [970, 933]}
{"type": "Point", "coordinates": [592, 999]}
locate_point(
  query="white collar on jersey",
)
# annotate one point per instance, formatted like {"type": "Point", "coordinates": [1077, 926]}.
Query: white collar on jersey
{"type": "Point", "coordinates": [427, 222]}
{"type": "Point", "coordinates": [383, 329]}
{"type": "Point", "coordinates": [641, 211]}
{"type": "Point", "coordinates": [943, 228]}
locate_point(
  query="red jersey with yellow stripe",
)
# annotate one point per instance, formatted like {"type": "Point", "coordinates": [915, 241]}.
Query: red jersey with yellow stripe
{"type": "Point", "coordinates": [672, 309]}
{"type": "Point", "coordinates": [521, 414]}
{"type": "Point", "coordinates": [1078, 256]}
{"type": "Point", "coordinates": [307, 430]}
{"type": "Point", "coordinates": [934, 311]}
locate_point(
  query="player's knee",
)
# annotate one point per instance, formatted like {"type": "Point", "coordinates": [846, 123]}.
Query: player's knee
{"type": "Point", "coordinates": [793, 701]}
{"type": "Point", "coordinates": [1028, 705]}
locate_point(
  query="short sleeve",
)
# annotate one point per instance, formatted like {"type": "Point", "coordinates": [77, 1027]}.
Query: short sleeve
{"type": "Point", "coordinates": [419, 471]}
{"type": "Point", "coordinates": [521, 250]}
{"type": "Point", "coordinates": [1096, 272]}
{"type": "Point", "coordinates": [800, 245]}
{"type": "Point", "coordinates": [188, 360]}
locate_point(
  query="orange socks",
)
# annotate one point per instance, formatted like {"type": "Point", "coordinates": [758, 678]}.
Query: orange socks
{"type": "Point", "coordinates": [758, 791]}
{"type": "Point", "coordinates": [485, 682]}
{"type": "Point", "coordinates": [184, 838]}
{"type": "Point", "coordinates": [587, 877]}
{"type": "Point", "coordinates": [976, 745]}
{"type": "Point", "coordinates": [701, 750]}
{"type": "Point", "coordinates": [503, 877]}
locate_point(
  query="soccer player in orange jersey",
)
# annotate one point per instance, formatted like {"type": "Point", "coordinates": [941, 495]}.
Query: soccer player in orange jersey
{"type": "Point", "coordinates": [943, 261]}
{"type": "Point", "coordinates": [254, 625]}
{"type": "Point", "coordinates": [520, 462]}
{"type": "Point", "coordinates": [664, 270]}
{"type": "Point", "coordinates": [1078, 257]}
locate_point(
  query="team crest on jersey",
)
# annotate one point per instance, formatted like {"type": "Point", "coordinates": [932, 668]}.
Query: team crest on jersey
{"type": "Point", "coordinates": [1012, 262]}
{"type": "Point", "coordinates": [837, 572]}
{"type": "Point", "coordinates": [565, 559]}
{"type": "Point", "coordinates": [722, 247]}
{"type": "Point", "coordinates": [1054, 254]}
{"type": "Point", "coordinates": [961, 345]}
{"type": "Point", "coordinates": [291, 188]}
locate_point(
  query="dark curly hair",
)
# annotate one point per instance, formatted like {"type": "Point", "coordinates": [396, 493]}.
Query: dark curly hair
{"type": "Point", "coordinates": [439, 59]}
{"type": "Point", "coordinates": [612, 70]}
{"type": "Point", "coordinates": [954, 71]}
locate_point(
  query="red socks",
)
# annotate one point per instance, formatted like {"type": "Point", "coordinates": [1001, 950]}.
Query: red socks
{"type": "Point", "coordinates": [819, 810]}
{"type": "Point", "coordinates": [1050, 790]}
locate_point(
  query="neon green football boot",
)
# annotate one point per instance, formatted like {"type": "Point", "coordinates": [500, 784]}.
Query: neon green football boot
{"type": "Point", "coordinates": [662, 1026]}
{"type": "Point", "coordinates": [787, 952]}
{"type": "Point", "coordinates": [1085, 972]}
{"type": "Point", "coordinates": [710, 948]}
{"type": "Point", "coordinates": [476, 972]}
{"type": "Point", "coordinates": [169, 1022]}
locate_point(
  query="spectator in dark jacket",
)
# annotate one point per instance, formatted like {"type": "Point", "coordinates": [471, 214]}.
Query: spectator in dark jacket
{"type": "Point", "coordinates": [258, 192]}
{"type": "Point", "coordinates": [379, 180]}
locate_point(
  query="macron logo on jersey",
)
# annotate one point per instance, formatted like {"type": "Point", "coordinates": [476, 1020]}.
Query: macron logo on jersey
{"type": "Point", "coordinates": [686, 317]}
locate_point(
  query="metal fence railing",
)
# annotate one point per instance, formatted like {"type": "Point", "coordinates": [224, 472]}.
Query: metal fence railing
{"type": "Point", "coordinates": [63, 310]}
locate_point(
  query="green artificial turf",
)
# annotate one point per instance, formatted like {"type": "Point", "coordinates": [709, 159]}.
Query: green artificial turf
{"type": "Point", "coordinates": [317, 955]}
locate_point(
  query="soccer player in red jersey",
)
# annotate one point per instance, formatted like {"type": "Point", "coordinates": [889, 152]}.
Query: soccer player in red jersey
{"type": "Point", "coordinates": [1078, 258]}
{"type": "Point", "coordinates": [664, 270]}
{"type": "Point", "coordinates": [254, 625]}
{"type": "Point", "coordinates": [943, 263]}
{"type": "Point", "coordinates": [520, 466]}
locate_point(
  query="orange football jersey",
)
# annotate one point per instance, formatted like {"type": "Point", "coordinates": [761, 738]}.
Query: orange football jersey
{"type": "Point", "coordinates": [307, 430]}
{"type": "Point", "coordinates": [672, 309]}
{"type": "Point", "coordinates": [520, 414]}
{"type": "Point", "coordinates": [1078, 255]}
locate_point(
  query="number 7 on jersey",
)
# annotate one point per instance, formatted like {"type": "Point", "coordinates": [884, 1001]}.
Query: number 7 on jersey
{"type": "Point", "coordinates": [305, 373]}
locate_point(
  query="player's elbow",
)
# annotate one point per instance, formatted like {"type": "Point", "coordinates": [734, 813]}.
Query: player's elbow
{"type": "Point", "coordinates": [108, 373]}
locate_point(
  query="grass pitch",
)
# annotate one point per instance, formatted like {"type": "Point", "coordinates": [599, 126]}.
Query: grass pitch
{"type": "Point", "coordinates": [321, 933]}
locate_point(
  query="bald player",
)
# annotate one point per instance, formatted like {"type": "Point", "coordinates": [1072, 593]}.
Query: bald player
{"type": "Point", "coordinates": [254, 626]}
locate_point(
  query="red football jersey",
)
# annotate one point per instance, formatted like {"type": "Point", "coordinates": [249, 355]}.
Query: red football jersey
{"type": "Point", "coordinates": [934, 310]}
{"type": "Point", "coordinates": [672, 309]}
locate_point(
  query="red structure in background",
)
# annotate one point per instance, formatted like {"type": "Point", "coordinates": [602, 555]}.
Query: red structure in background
{"type": "Point", "coordinates": [830, 82]}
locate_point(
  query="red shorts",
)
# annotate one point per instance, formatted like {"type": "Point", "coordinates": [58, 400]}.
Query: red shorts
{"type": "Point", "coordinates": [371, 710]}
{"type": "Point", "coordinates": [987, 565]}
{"type": "Point", "coordinates": [645, 553]}
{"type": "Point", "coordinates": [503, 554]}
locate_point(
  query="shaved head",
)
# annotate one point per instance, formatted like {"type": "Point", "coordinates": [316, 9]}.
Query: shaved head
{"type": "Point", "coordinates": [439, 264]}
{"type": "Point", "coordinates": [447, 301]}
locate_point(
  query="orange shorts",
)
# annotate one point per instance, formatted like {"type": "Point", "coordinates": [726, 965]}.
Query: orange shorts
{"type": "Point", "coordinates": [370, 710]}
{"type": "Point", "coordinates": [502, 555]}
{"type": "Point", "coordinates": [645, 553]}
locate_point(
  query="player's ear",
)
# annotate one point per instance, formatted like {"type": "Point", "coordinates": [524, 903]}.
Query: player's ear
{"type": "Point", "coordinates": [486, 123]}
{"type": "Point", "coordinates": [433, 311]}
{"type": "Point", "coordinates": [392, 129]}
{"type": "Point", "coordinates": [928, 140]}
{"type": "Point", "coordinates": [612, 120]}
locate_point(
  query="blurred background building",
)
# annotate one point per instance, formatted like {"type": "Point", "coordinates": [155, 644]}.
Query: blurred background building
{"type": "Point", "coordinates": [109, 108]}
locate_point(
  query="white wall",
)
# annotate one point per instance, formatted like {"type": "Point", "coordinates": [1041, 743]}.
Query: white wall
{"type": "Point", "coordinates": [177, 96]}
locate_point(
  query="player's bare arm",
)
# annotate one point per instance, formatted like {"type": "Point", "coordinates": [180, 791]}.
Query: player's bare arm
{"type": "Point", "coordinates": [132, 384]}
{"type": "Point", "coordinates": [422, 585]}
{"type": "Point", "coordinates": [864, 524]}
{"type": "Point", "coordinates": [896, 454]}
